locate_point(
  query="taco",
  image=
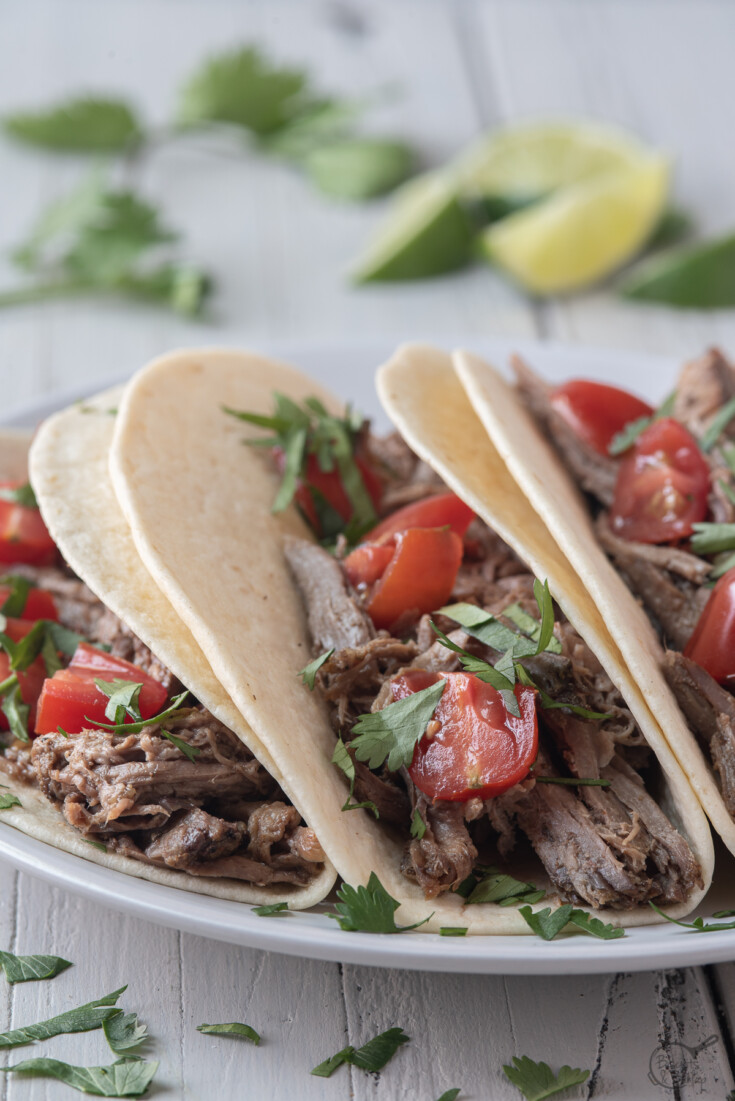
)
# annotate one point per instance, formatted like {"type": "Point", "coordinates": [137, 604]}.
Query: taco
{"type": "Point", "coordinates": [357, 562]}
{"type": "Point", "coordinates": [642, 502]}
{"type": "Point", "coordinates": [186, 797]}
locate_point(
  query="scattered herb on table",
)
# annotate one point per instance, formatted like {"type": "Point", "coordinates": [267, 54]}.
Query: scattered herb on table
{"type": "Point", "coordinates": [372, 1056]}
{"type": "Point", "coordinates": [537, 1081]}
{"type": "Point", "coordinates": [128, 1077]}
{"type": "Point", "coordinates": [233, 1028]}
{"type": "Point", "coordinates": [31, 968]}
{"type": "Point", "coordinates": [123, 1032]}
{"type": "Point", "coordinates": [83, 1018]}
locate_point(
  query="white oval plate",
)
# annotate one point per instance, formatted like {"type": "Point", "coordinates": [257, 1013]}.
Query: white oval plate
{"type": "Point", "coordinates": [348, 369]}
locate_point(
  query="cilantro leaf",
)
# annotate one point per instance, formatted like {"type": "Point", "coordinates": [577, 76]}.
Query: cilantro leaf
{"type": "Point", "coordinates": [489, 630]}
{"type": "Point", "coordinates": [122, 699]}
{"type": "Point", "coordinates": [453, 931]}
{"type": "Point", "coordinates": [325, 121]}
{"type": "Point", "coordinates": [155, 720]}
{"type": "Point", "coordinates": [16, 712]}
{"type": "Point", "coordinates": [123, 1032]}
{"type": "Point", "coordinates": [270, 909]}
{"type": "Point", "coordinates": [547, 923]}
{"type": "Point", "coordinates": [8, 800]}
{"type": "Point", "coordinates": [573, 781]}
{"type": "Point", "coordinates": [17, 598]}
{"type": "Point", "coordinates": [244, 88]}
{"type": "Point", "coordinates": [418, 826]}
{"type": "Point", "coordinates": [536, 1081]}
{"type": "Point", "coordinates": [84, 1018]}
{"type": "Point", "coordinates": [368, 909]}
{"type": "Point", "coordinates": [87, 125]}
{"type": "Point", "coordinates": [372, 1056]}
{"type": "Point", "coordinates": [309, 672]}
{"type": "Point", "coordinates": [699, 925]}
{"type": "Point", "coordinates": [450, 1095]}
{"type": "Point", "coordinates": [190, 751]}
{"type": "Point", "coordinates": [628, 435]}
{"type": "Point", "coordinates": [19, 495]}
{"type": "Point", "coordinates": [129, 1077]}
{"type": "Point", "coordinates": [391, 735]}
{"type": "Point", "coordinates": [717, 425]}
{"type": "Point", "coordinates": [546, 608]}
{"type": "Point", "coordinates": [95, 844]}
{"type": "Point", "coordinates": [30, 968]}
{"type": "Point", "coordinates": [530, 626]}
{"type": "Point", "coordinates": [711, 538]}
{"type": "Point", "coordinates": [498, 887]}
{"type": "Point", "coordinates": [359, 168]}
{"type": "Point", "coordinates": [596, 928]}
{"type": "Point", "coordinates": [234, 1028]}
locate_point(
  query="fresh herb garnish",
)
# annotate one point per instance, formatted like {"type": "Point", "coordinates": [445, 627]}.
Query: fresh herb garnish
{"type": "Point", "coordinates": [712, 538]}
{"type": "Point", "coordinates": [189, 751]}
{"type": "Point", "coordinates": [17, 598]}
{"type": "Point", "coordinates": [372, 1056]}
{"type": "Point", "coordinates": [699, 925]}
{"type": "Point", "coordinates": [573, 781]}
{"type": "Point", "coordinates": [270, 909]}
{"type": "Point", "coordinates": [627, 437]}
{"type": "Point", "coordinates": [369, 909]}
{"type": "Point", "coordinates": [537, 1081]}
{"type": "Point", "coordinates": [123, 699]}
{"type": "Point", "coordinates": [84, 1018]}
{"type": "Point", "coordinates": [450, 1095]}
{"type": "Point", "coordinates": [596, 928]}
{"type": "Point", "coordinates": [128, 1077]}
{"type": "Point", "coordinates": [453, 931]}
{"type": "Point", "coordinates": [359, 168]}
{"type": "Point", "coordinates": [495, 886]}
{"type": "Point", "coordinates": [136, 727]}
{"type": "Point", "coordinates": [8, 800]}
{"type": "Point", "coordinates": [87, 125]}
{"type": "Point", "coordinates": [718, 425]}
{"type": "Point", "coordinates": [309, 430]}
{"type": "Point", "coordinates": [19, 495]}
{"type": "Point", "coordinates": [548, 923]}
{"type": "Point", "coordinates": [124, 1032]}
{"type": "Point", "coordinates": [234, 1028]}
{"type": "Point", "coordinates": [31, 968]}
{"type": "Point", "coordinates": [341, 758]}
{"type": "Point", "coordinates": [95, 844]}
{"type": "Point", "coordinates": [418, 826]}
{"type": "Point", "coordinates": [391, 735]}
{"type": "Point", "coordinates": [309, 672]}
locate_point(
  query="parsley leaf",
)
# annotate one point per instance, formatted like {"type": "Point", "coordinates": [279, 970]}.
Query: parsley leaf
{"type": "Point", "coordinates": [547, 923]}
{"type": "Point", "coordinates": [711, 538]}
{"type": "Point", "coordinates": [244, 88]}
{"type": "Point", "coordinates": [122, 699]}
{"type": "Point", "coordinates": [628, 435]}
{"type": "Point", "coordinates": [372, 1056]}
{"type": "Point", "coordinates": [450, 1095]}
{"type": "Point", "coordinates": [189, 751]}
{"type": "Point", "coordinates": [155, 720]}
{"type": "Point", "coordinates": [536, 1081]}
{"type": "Point", "coordinates": [504, 889]}
{"type": "Point", "coordinates": [30, 968]}
{"type": "Point", "coordinates": [489, 630]}
{"type": "Point", "coordinates": [8, 800]}
{"type": "Point", "coordinates": [418, 826]}
{"type": "Point", "coordinates": [124, 1032]}
{"type": "Point", "coordinates": [596, 928]}
{"type": "Point", "coordinates": [718, 425]}
{"type": "Point", "coordinates": [453, 931]}
{"type": "Point", "coordinates": [309, 672]}
{"type": "Point", "coordinates": [95, 844]}
{"type": "Point", "coordinates": [270, 909]}
{"type": "Point", "coordinates": [19, 495]}
{"type": "Point", "coordinates": [84, 1018]}
{"type": "Point", "coordinates": [87, 125]}
{"type": "Point", "coordinates": [234, 1028]}
{"type": "Point", "coordinates": [16, 712]}
{"type": "Point", "coordinates": [368, 909]}
{"type": "Point", "coordinates": [391, 735]}
{"type": "Point", "coordinates": [573, 781]}
{"type": "Point", "coordinates": [128, 1077]}
{"type": "Point", "coordinates": [699, 925]}
{"type": "Point", "coordinates": [342, 759]}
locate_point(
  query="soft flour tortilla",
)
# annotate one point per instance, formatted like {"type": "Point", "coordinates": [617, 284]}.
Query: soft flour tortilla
{"type": "Point", "coordinates": [539, 472]}
{"type": "Point", "coordinates": [219, 560]}
{"type": "Point", "coordinates": [70, 474]}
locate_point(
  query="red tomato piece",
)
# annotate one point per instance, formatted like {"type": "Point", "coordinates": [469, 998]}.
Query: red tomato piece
{"type": "Point", "coordinates": [71, 697]}
{"type": "Point", "coordinates": [329, 484]}
{"type": "Point", "coordinates": [23, 534]}
{"type": "Point", "coordinates": [39, 605]}
{"type": "Point", "coordinates": [442, 510]}
{"type": "Point", "coordinates": [30, 680]}
{"type": "Point", "coordinates": [478, 748]}
{"type": "Point", "coordinates": [597, 412]}
{"type": "Point", "coordinates": [16, 629]}
{"type": "Point", "coordinates": [416, 570]}
{"type": "Point", "coordinates": [662, 486]}
{"type": "Point", "coordinates": [712, 644]}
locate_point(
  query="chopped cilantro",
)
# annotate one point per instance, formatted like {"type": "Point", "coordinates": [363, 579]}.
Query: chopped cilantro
{"type": "Point", "coordinates": [627, 437]}
{"type": "Point", "coordinates": [717, 425]}
{"type": "Point", "coordinates": [573, 781]}
{"type": "Point", "coordinates": [16, 712]}
{"type": "Point", "coordinates": [536, 1081]}
{"type": "Point", "coordinates": [453, 931]}
{"type": "Point", "coordinates": [189, 751]}
{"type": "Point", "coordinates": [31, 968]}
{"type": "Point", "coordinates": [596, 928]}
{"type": "Point", "coordinates": [372, 1056]}
{"type": "Point", "coordinates": [8, 800]}
{"type": "Point", "coordinates": [342, 759]}
{"type": "Point", "coordinates": [19, 495]}
{"type": "Point", "coordinates": [699, 925]}
{"type": "Point", "coordinates": [270, 909]}
{"type": "Point", "coordinates": [495, 886]}
{"type": "Point", "coordinates": [418, 826]}
{"type": "Point", "coordinates": [391, 735]}
{"type": "Point", "coordinates": [234, 1028]}
{"type": "Point", "coordinates": [369, 909]}
{"type": "Point", "coordinates": [547, 923]}
{"type": "Point", "coordinates": [711, 538]}
{"type": "Point", "coordinates": [17, 598]}
{"type": "Point", "coordinates": [309, 672]}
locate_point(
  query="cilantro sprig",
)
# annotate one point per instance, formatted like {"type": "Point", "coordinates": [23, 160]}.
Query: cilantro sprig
{"type": "Point", "coordinates": [342, 759]}
{"type": "Point", "coordinates": [371, 1057]}
{"type": "Point", "coordinates": [700, 925]}
{"type": "Point", "coordinates": [548, 923]}
{"type": "Point", "coordinates": [369, 909]}
{"type": "Point", "coordinates": [537, 1081]}
{"type": "Point", "coordinates": [627, 437]}
{"type": "Point", "coordinates": [301, 432]}
{"type": "Point", "coordinates": [116, 710]}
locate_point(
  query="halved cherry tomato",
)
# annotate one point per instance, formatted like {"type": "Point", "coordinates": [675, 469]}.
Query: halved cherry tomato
{"type": "Point", "coordinates": [70, 697]}
{"type": "Point", "coordinates": [712, 644]}
{"type": "Point", "coordinates": [442, 510]}
{"type": "Point", "coordinates": [597, 412]}
{"type": "Point", "coordinates": [329, 484]}
{"type": "Point", "coordinates": [418, 574]}
{"type": "Point", "coordinates": [30, 680]}
{"type": "Point", "coordinates": [23, 534]}
{"type": "Point", "coordinates": [39, 605]}
{"type": "Point", "coordinates": [662, 486]}
{"type": "Point", "coordinates": [479, 748]}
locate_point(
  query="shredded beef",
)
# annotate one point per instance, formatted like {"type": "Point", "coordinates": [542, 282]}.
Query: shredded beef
{"type": "Point", "coordinates": [445, 855]}
{"type": "Point", "coordinates": [593, 472]}
{"type": "Point", "coordinates": [391, 800]}
{"type": "Point", "coordinates": [710, 713]}
{"type": "Point", "coordinates": [665, 579]}
{"type": "Point", "coordinates": [703, 387]}
{"type": "Point", "coordinates": [351, 678]}
{"type": "Point", "coordinates": [336, 619]}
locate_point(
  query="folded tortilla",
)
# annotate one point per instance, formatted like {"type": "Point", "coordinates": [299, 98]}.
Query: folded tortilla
{"type": "Point", "coordinates": [199, 508]}
{"type": "Point", "coordinates": [69, 471]}
{"type": "Point", "coordinates": [539, 473]}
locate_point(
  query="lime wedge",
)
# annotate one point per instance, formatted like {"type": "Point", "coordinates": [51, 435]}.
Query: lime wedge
{"type": "Point", "coordinates": [529, 162]}
{"type": "Point", "coordinates": [695, 277]}
{"type": "Point", "coordinates": [583, 232]}
{"type": "Point", "coordinates": [427, 232]}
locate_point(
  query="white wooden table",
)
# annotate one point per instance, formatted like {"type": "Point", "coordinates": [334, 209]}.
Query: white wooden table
{"type": "Point", "coordinates": [664, 69]}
